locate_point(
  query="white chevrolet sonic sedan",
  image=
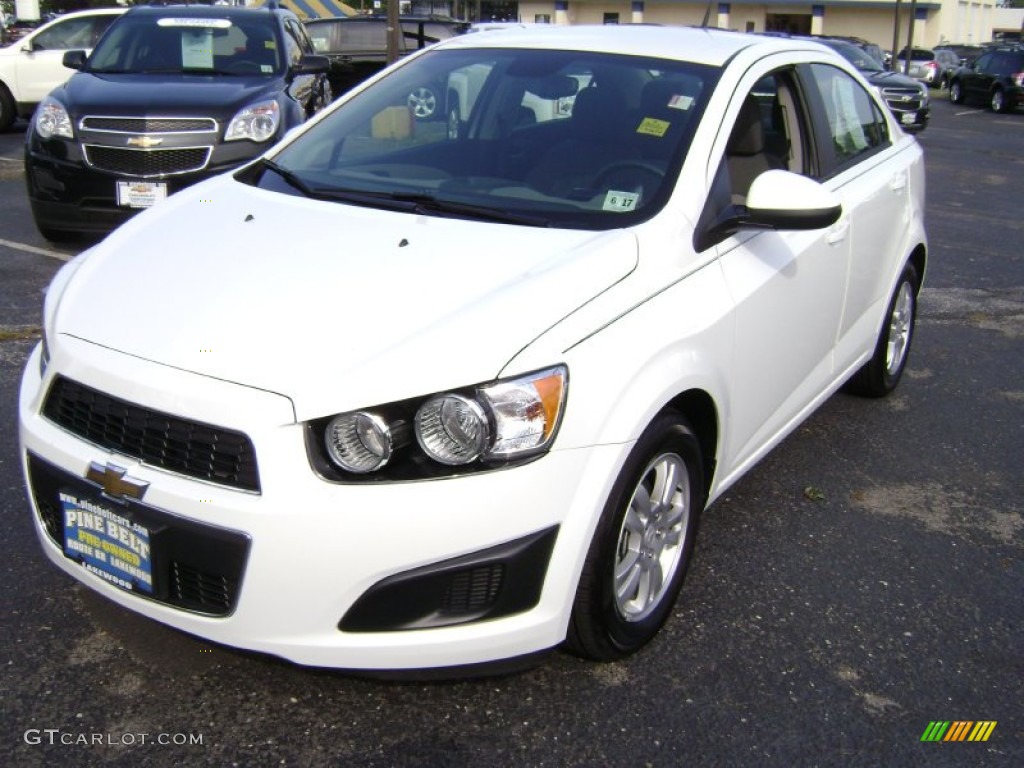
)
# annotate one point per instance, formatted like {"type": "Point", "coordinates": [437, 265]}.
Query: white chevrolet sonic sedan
{"type": "Point", "coordinates": [413, 393]}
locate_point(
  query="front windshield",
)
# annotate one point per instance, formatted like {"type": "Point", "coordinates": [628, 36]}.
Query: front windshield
{"type": "Point", "coordinates": [549, 138]}
{"type": "Point", "coordinates": [148, 44]}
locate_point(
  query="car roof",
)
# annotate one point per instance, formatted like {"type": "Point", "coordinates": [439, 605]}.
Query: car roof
{"type": "Point", "coordinates": [214, 11]}
{"type": "Point", "coordinates": [700, 45]}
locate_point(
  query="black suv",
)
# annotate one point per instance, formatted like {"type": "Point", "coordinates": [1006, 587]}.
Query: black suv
{"type": "Point", "coordinates": [170, 96]}
{"type": "Point", "coordinates": [906, 98]}
{"type": "Point", "coordinates": [995, 78]}
{"type": "Point", "coordinates": [357, 47]}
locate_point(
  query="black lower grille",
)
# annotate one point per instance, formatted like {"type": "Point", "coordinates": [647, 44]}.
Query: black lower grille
{"type": "Point", "coordinates": [473, 590]}
{"type": "Point", "coordinates": [195, 567]}
{"type": "Point", "coordinates": [191, 448]}
{"type": "Point", "coordinates": [147, 162]}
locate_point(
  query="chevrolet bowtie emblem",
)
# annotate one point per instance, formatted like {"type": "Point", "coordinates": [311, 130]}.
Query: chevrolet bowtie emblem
{"type": "Point", "coordinates": [112, 480]}
{"type": "Point", "coordinates": [144, 141]}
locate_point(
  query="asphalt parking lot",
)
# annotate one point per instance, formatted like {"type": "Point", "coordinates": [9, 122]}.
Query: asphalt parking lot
{"type": "Point", "coordinates": [862, 582]}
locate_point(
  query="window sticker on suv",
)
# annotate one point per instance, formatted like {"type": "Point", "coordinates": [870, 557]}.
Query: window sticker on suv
{"type": "Point", "coordinates": [209, 23]}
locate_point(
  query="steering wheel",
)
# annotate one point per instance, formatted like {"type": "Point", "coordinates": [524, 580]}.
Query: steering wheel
{"type": "Point", "coordinates": [242, 67]}
{"type": "Point", "coordinates": [629, 175]}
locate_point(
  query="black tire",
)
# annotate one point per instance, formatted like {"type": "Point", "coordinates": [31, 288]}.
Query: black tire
{"type": "Point", "coordinates": [635, 536]}
{"type": "Point", "coordinates": [454, 122]}
{"type": "Point", "coordinates": [997, 101]}
{"type": "Point", "coordinates": [882, 373]}
{"type": "Point", "coordinates": [8, 109]}
{"type": "Point", "coordinates": [956, 92]}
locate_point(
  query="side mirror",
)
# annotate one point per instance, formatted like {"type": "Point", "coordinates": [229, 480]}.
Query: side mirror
{"type": "Point", "coordinates": [784, 200]}
{"type": "Point", "coordinates": [74, 59]}
{"type": "Point", "coordinates": [312, 65]}
{"type": "Point", "coordinates": [776, 200]}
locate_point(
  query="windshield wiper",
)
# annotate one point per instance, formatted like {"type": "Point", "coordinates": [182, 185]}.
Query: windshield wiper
{"type": "Point", "coordinates": [420, 202]}
{"type": "Point", "coordinates": [292, 179]}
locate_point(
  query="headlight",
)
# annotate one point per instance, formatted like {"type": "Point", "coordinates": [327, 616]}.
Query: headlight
{"type": "Point", "coordinates": [257, 122]}
{"type": "Point", "coordinates": [361, 442]}
{"type": "Point", "coordinates": [452, 429]}
{"type": "Point", "coordinates": [51, 119]}
{"type": "Point", "coordinates": [471, 429]}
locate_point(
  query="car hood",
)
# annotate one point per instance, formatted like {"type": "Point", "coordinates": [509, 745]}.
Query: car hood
{"type": "Point", "coordinates": [334, 306]}
{"type": "Point", "coordinates": [165, 95]}
{"type": "Point", "coordinates": [886, 78]}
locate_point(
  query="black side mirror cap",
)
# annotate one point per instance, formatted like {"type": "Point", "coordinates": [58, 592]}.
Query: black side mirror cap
{"type": "Point", "coordinates": [74, 59]}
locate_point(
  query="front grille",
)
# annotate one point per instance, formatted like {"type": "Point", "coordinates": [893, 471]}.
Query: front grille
{"type": "Point", "coordinates": [147, 162]}
{"type": "Point", "coordinates": [191, 448]}
{"type": "Point", "coordinates": [194, 566]}
{"type": "Point", "coordinates": [150, 124]}
{"type": "Point", "coordinates": [902, 99]}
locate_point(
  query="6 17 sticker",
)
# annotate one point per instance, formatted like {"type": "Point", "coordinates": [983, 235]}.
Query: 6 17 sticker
{"type": "Point", "coordinates": [620, 201]}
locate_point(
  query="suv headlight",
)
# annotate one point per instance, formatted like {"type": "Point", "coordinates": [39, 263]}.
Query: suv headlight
{"type": "Point", "coordinates": [51, 119]}
{"type": "Point", "coordinates": [257, 122]}
{"type": "Point", "coordinates": [469, 430]}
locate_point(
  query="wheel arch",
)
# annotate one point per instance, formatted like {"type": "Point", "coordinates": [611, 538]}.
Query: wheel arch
{"type": "Point", "coordinates": [699, 409]}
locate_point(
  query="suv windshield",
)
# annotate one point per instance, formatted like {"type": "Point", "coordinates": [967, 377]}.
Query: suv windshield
{"type": "Point", "coordinates": [859, 58]}
{"type": "Point", "coordinates": [178, 43]}
{"type": "Point", "coordinates": [559, 138]}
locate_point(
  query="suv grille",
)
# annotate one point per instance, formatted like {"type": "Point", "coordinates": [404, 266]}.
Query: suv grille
{"type": "Point", "coordinates": [150, 124]}
{"type": "Point", "coordinates": [147, 162]}
{"type": "Point", "coordinates": [190, 448]}
{"type": "Point", "coordinates": [902, 99]}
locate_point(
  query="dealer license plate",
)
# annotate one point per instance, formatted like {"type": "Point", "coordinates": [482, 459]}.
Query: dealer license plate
{"type": "Point", "coordinates": [908, 118]}
{"type": "Point", "coordinates": [107, 543]}
{"type": "Point", "coordinates": [140, 194]}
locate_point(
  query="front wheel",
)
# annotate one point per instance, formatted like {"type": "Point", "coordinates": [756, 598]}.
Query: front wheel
{"type": "Point", "coordinates": [642, 546]}
{"type": "Point", "coordinates": [956, 92]}
{"type": "Point", "coordinates": [880, 375]}
{"type": "Point", "coordinates": [7, 109]}
{"type": "Point", "coordinates": [423, 103]}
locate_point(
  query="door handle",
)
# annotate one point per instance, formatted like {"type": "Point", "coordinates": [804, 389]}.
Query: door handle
{"type": "Point", "coordinates": [838, 232]}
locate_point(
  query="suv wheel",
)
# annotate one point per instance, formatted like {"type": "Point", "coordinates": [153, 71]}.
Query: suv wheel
{"type": "Point", "coordinates": [423, 103]}
{"type": "Point", "coordinates": [6, 108]}
{"type": "Point", "coordinates": [956, 93]}
{"type": "Point", "coordinates": [998, 100]}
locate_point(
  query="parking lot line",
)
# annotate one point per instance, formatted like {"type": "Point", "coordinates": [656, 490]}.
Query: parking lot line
{"type": "Point", "coordinates": [37, 250]}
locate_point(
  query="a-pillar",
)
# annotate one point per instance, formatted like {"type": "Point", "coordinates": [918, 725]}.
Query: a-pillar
{"type": "Point", "coordinates": [638, 12]}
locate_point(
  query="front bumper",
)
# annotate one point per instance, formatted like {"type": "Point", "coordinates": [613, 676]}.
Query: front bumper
{"type": "Point", "coordinates": [66, 194]}
{"type": "Point", "coordinates": [315, 552]}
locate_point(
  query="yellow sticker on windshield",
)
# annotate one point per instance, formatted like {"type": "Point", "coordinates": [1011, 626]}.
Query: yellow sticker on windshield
{"type": "Point", "coordinates": [649, 126]}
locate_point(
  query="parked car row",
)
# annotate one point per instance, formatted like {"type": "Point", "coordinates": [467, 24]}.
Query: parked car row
{"type": "Point", "coordinates": [995, 78]}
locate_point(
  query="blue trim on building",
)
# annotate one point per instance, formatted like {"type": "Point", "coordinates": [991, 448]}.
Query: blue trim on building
{"type": "Point", "coordinates": [818, 11]}
{"type": "Point", "coordinates": [723, 9]}
{"type": "Point", "coordinates": [638, 6]}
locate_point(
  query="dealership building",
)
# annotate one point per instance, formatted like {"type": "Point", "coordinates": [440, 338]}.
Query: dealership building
{"type": "Point", "coordinates": [939, 21]}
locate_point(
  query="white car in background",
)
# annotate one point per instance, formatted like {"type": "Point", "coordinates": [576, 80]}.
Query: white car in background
{"type": "Point", "coordinates": [395, 396]}
{"type": "Point", "coordinates": [31, 66]}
